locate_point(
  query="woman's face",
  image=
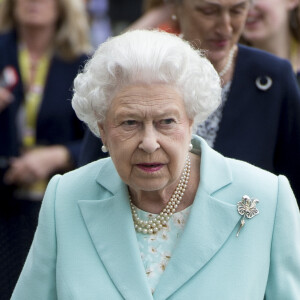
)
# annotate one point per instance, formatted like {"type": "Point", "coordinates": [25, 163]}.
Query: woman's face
{"type": "Point", "coordinates": [265, 19]}
{"type": "Point", "coordinates": [147, 132]}
{"type": "Point", "coordinates": [36, 13]}
{"type": "Point", "coordinates": [214, 25]}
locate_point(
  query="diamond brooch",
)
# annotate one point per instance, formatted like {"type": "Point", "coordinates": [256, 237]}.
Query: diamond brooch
{"type": "Point", "coordinates": [246, 208]}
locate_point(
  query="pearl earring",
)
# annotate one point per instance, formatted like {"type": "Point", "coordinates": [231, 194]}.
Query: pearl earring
{"type": "Point", "coordinates": [190, 147]}
{"type": "Point", "coordinates": [174, 17]}
{"type": "Point", "coordinates": [104, 149]}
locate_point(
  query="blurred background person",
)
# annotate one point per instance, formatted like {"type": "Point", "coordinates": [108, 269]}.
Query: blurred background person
{"type": "Point", "coordinates": [274, 26]}
{"type": "Point", "coordinates": [157, 14]}
{"type": "Point", "coordinates": [258, 119]}
{"type": "Point", "coordinates": [42, 46]}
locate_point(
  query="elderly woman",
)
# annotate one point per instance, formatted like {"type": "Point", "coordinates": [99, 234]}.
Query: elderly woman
{"type": "Point", "coordinates": [258, 120]}
{"type": "Point", "coordinates": [165, 216]}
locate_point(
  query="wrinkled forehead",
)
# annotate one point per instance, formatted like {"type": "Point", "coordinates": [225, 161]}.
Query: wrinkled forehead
{"type": "Point", "coordinates": [154, 97]}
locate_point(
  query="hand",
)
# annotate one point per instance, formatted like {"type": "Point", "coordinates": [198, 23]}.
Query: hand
{"type": "Point", "coordinates": [6, 97]}
{"type": "Point", "coordinates": [37, 164]}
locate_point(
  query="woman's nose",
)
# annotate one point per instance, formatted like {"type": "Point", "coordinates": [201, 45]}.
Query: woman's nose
{"type": "Point", "coordinates": [149, 142]}
{"type": "Point", "coordinates": [225, 26]}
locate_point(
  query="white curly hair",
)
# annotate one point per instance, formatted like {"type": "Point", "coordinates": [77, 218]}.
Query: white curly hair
{"type": "Point", "coordinates": [146, 57]}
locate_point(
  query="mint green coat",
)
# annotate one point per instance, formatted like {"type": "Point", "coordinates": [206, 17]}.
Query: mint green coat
{"type": "Point", "coordinates": [85, 247]}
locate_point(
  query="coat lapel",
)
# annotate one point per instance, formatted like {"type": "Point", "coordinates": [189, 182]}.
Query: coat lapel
{"type": "Point", "coordinates": [110, 226]}
{"type": "Point", "coordinates": [210, 223]}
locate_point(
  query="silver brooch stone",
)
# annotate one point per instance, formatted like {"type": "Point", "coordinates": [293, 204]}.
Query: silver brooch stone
{"type": "Point", "coordinates": [246, 208]}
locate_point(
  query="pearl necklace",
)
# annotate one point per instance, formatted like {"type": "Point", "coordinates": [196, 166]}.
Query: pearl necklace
{"type": "Point", "coordinates": [229, 62]}
{"type": "Point", "coordinates": [153, 225]}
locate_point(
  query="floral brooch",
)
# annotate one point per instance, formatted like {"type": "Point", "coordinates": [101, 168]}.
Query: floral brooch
{"type": "Point", "coordinates": [246, 208]}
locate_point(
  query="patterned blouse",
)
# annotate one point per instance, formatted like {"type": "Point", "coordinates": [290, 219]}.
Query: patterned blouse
{"type": "Point", "coordinates": [209, 128]}
{"type": "Point", "coordinates": [156, 249]}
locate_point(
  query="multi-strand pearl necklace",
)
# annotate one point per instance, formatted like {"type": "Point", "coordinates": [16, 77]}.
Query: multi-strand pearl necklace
{"type": "Point", "coordinates": [229, 62]}
{"type": "Point", "coordinates": [153, 225]}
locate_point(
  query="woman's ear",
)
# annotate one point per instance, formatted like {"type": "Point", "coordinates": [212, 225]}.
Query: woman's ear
{"type": "Point", "coordinates": [102, 132]}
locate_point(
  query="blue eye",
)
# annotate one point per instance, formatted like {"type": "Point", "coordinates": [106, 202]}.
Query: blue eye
{"type": "Point", "coordinates": [130, 122]}
{"type": "Point", "coordinates": [167, 121]}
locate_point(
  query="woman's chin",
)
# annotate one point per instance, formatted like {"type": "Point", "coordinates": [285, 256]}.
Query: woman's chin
{"type": "Point", "coordinates": [150, 185]}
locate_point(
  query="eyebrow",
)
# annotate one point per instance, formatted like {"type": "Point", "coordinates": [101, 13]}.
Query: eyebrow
{"type": "Point", "coordinates": [241, 3]}
{"type": "Point", "coordinates": [128, 113]}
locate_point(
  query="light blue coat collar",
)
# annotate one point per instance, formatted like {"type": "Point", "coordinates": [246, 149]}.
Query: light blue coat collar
{"type": "Point", "coordinates": [110, 225]}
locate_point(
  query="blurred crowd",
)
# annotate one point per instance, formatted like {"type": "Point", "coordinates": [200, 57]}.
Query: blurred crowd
{"type": "Point", "coordinates": [43, 45]}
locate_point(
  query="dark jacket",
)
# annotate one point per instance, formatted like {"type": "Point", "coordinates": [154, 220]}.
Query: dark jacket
{"type": "Point", "coordinates": [263, 127]}
{"type": "Point", "coordinates": [56, 121]}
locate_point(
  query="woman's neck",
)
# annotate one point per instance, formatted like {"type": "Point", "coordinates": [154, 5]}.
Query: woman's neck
{"type": "Point", "coordinates": [37, 41]}
{"type": "Point", "coordinates": [225, 68]}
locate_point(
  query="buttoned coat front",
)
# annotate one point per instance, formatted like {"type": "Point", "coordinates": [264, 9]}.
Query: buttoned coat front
{"type": "Point", "coordinates": [85, 246]}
